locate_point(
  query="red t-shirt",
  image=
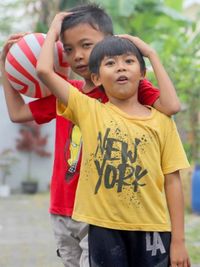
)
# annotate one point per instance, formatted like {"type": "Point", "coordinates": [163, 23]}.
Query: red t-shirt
{"type": "Point", "coordinates": [65, 177]}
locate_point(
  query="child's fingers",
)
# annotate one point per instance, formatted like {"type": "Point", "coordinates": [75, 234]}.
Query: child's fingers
{"type": "Point", "coordinates": [14, 38]}
{"type": "Point", "coordinates": [8, 44]}
{"type": "Point", "coordinates": [17, 36]}
{"type": "Point", "coordinates": [187, 263]}
{"type": "Point", "coordinates": [7, 47]}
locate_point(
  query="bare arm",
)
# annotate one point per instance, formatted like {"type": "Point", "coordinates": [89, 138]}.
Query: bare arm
{"type": "Point", "coordinates": [58, 86]}
{"type": "Point", "coordinates": [175, 202]}
{"type": "Point", "coordinates": [168, 102]}
{"type": "Point", "coordinates": [18, 110]}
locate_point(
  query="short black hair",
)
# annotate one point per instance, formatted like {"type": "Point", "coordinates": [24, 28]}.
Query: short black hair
{"type": "Point", "coordinates": [91, 14]}
{"type": "Point", "coordinates": [113, 46]}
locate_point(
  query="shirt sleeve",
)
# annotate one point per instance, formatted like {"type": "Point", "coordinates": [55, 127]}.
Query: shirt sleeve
{"type": "Point", "coordinates": [173, 156]}
{"type": "Point", "coordinates": [147, 94]}
{"type": "Point", "coordinates": [43, 109]}
{"type": "Point", "coordinates": [79, 106]}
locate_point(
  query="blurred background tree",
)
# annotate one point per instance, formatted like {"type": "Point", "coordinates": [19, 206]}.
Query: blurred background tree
{"type": "Point", "coordinates": [7, 160]}
{"type": "Point", "coordinates": [31, 141]}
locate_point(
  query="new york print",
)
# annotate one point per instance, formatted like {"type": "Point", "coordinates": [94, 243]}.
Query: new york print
{"type": "Point", "coordinates": [117, 163]}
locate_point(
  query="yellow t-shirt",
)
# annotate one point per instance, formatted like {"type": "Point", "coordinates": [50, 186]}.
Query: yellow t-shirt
{"type": "Point", "coordinates": [121, 185]}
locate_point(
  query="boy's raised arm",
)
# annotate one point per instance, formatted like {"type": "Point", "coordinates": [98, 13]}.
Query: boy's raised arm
{"type": "Point", "coordinates": [18, 110]}
{"type": "Point", "coordinates": [168, 102]}
{"type": "Point", "coordinates": [57, 85]}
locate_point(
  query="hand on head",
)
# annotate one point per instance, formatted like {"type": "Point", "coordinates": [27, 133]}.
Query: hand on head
{"type": "Point", "coordinates": [144, 48]}
{"type": "Point", "coordinates": [56, 24]}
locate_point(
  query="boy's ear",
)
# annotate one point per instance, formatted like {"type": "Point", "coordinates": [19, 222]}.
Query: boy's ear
{"type": "Point", "coordinates": [143, 74]}
{"type": "Point", "coordinates": [96, 79]}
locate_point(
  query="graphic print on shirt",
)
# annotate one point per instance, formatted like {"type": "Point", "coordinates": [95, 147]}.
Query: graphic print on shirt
{"type": "Point", "coordinates": [73, 149]}
{"type": "Point", "coordinates": [117, 162]}
{"type": "Point", "coordinates": [74, 146]}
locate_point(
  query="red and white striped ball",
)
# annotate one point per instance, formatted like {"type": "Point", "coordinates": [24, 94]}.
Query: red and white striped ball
{"type": "Point", "coordinates": [21, 63]}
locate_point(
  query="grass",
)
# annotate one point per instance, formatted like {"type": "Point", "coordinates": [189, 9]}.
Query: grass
{"type": "Point", "coordinates": [193, 236]}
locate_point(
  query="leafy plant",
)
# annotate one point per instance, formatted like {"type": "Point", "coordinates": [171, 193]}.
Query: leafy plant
{"type": "Point", "coordinates": [31, 142]}
{"type": "Point", "coordinates": [7, 160]}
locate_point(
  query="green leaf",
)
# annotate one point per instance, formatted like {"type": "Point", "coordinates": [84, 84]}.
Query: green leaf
{"type": "Point", "coordinates": [177, 5]}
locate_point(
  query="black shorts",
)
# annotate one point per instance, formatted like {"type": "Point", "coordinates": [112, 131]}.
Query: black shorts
{"type": "Point", "coordinates": [116, 248]}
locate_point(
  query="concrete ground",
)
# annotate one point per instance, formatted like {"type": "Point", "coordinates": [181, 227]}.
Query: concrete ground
{"type": "Point", "coordinates": [26, 238]}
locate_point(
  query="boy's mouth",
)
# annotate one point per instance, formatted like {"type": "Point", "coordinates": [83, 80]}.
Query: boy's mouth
{"type": "Point", "coordinates": [81, 68]}
{"type": "Point", "coordinates": [122, 79]}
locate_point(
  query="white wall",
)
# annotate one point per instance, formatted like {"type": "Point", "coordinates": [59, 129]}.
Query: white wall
{"type": "Point", "coordinates": [41, 167]}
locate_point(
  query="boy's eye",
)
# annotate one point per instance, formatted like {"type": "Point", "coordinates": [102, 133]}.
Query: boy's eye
{"type": "Point", "coordinates": [130, 60]}
{"type": "Point", "coordinates": [109, 62]}
{"type": "Point", "coordinates": [67, 50]}
{"type": "Point", "coordinates": [87, 45]}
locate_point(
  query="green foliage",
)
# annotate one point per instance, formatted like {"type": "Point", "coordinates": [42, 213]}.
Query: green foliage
{"type": "Point", "coordinates": [66, 4]}
{"type": "Point", "coordinates": [184, 69]}
{"type": "Point", "coordinates": [11, 12]}
{"type": "Point", "coordinates": [177, 5]}
{"type": "Point", "coordinates": [192, 237]}
{"type": "Point", "coordinates": [41, 27]}
{"type": "Point", "coordinates": [7, 160]}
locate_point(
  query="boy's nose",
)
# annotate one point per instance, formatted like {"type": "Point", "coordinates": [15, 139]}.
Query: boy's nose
{"type": "Point", "coordinates": [78, 55]}
{"type": "Point", "coordinates": [121, 67]}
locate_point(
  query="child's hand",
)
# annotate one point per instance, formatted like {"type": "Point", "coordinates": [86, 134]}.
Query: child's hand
{"type": "Point", "coordinates": [145, 49]}
{"type": "Point", "coordinates": [55, 26]}
{"type": "Point", "coordinates": [11, 40]}
{"type": "Point", "coordinates": [178, 255]}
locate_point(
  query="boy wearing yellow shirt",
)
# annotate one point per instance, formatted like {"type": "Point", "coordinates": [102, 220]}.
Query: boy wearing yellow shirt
{"type": "Point", "coordinates": [129, 190]}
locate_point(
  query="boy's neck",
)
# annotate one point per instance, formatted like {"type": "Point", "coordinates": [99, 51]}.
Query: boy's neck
{"type": "Point", "coordinates": [88, 86]}
{"type": "Point", "coordinates": [131, 107]}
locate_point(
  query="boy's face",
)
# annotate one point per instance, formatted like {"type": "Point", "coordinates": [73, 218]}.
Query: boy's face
{"type": "Point", "coordinates": [119, 75]}
{"type": "Point", "coordinates": [78, 43]}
